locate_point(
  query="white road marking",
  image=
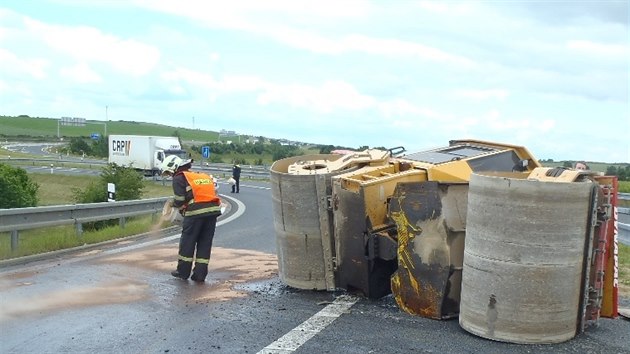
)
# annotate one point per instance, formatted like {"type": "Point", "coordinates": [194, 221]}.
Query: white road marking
{"type": "Point", "coordinates": [246, 185]}
{"type": "Point", "coordinates": [291, 341]}
{"type": "Point", "coordinates": [254, 187]}
{"type": "Point", "coordinates": [239, 212]}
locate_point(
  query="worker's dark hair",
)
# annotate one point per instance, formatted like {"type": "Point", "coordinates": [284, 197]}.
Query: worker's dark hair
{"type": "Point", "coordinates": [583, 163]}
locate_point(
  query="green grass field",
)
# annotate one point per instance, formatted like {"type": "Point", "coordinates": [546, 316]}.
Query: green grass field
{"type": "Point", "coordinates": [57, 190]}
{"type": "Point", "coordinates": [47, 128]}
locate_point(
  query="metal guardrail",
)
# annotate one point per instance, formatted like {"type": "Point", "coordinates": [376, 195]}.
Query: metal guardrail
{"type": "Point", "coordinates": [223, 169]}
{"type": "Point", "coordinates": [77, 160]}
{"type": "Point", "coordinates": [16, 220]}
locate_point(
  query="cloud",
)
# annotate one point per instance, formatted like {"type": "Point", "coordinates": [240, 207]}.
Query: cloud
{"type": "Point", "coordinates": [235, 17]}
{"type": "Point", "coordinates": [585, 47]}
{"type": "Point", "coordinates": [480, 95]}
{"type": "Point", "coordinates": [422, 71]}
{"type": "Point", "coordinates": [35, 68]}
{"type": "Point", "coordinates": [188, 76]}
{"type": "Point", "coordinates": [560, 13]}
{"type": "Point", "coordinates": [400, 107]}
{"type": "Point", "coordinates": [241, 14]}
{"type": "Point", "coordinates": [81, 73]}
{"type": "Point", "coordinates": [89, 44]}
{"type": "Point", "coordinates": [330, 96]}
{"type": "Point", "coordinates": [446, 8]}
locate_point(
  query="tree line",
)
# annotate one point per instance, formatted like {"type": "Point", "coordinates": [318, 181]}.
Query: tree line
{"type": "Point", "coordinates": [622, 173]}
{"type": "Point", "coordinates": [270, 147]}
{"type": "Point", "coordinates": [275, 149]}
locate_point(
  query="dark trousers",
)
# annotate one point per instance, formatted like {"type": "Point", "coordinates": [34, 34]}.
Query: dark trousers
{"type": "Point", "coordinates": [197, 233]}
{"type": "Point", "coordinates": [236, 186]}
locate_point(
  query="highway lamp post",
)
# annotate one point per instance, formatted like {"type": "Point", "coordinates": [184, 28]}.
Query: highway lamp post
{"type": "Point", "coordinates": [105, 124]}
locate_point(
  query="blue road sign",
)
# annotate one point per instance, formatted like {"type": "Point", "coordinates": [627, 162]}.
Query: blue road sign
{"type": "Point", "coordinates": [95, 136]}
{"type": "Point", "coordinates": [205, 152]}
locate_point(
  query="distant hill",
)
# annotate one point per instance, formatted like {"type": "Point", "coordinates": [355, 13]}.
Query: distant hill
{"type": "Point", "coordinates": [36, 128]}
{"type": "Point", "coordinates": [47, 128]}
{"type": "Point", "coordinates": [25, 128]}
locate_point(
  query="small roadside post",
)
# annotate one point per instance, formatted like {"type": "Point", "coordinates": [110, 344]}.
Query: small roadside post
{"type": "Point", "coordinates": [111, 192]}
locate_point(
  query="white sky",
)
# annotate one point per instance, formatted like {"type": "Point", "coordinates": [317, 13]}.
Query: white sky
{"type": "Point", "coordinates": [549, 75]}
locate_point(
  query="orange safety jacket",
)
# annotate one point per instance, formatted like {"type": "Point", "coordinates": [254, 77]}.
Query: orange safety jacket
{"type": "Point", "coordinates": [202, 187]}
{"type": "Point", "coordinates": [195, 194]}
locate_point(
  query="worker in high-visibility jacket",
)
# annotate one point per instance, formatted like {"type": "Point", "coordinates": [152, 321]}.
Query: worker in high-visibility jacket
{"type": "Point", "coordinates": [195, 197]}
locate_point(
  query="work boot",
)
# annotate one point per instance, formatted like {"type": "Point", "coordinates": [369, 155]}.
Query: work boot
{"type": "Point", "coordinates": [200, 272]}
{"type": "Point", "coordinates": [176, 274]}
{"type": "Point", "coordinates": [196, 279]}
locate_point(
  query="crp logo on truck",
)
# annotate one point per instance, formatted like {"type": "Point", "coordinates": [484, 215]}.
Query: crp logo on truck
{"type": "Point", "coordinates": [120, 147]}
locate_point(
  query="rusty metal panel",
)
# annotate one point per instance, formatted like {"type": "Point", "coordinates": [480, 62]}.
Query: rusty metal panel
{"type": "Point", "coordinates": [430, 225]}
{"type": "Point", "coordinates": [608, 241]}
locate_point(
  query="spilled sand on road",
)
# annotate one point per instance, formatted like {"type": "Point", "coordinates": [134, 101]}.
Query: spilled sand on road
{"type": "Point", "coordinates": [228, 268]}
{"type": "Point", "coordinates": [114, 292]}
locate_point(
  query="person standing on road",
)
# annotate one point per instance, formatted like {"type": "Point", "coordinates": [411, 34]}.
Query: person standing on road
{"type": "Point", "coordinates": [236, 174]}
{"type": "Point", "coordinates": [195, 197]}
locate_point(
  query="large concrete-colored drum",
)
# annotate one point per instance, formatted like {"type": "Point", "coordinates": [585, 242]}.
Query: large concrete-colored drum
{"type": "Point", "coordinates": [524, 259]}
{"type": "Point", "coordinates": [303, 220]}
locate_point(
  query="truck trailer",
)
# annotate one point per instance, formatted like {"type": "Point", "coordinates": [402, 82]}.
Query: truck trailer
{"type": "Point", "coordinates": [144, 153]}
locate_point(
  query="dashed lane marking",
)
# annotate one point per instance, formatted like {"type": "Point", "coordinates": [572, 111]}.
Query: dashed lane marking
{"type": "Point", "coordinates": [291, 341]}
{"type": "Point", "coordinates": [254, 187]}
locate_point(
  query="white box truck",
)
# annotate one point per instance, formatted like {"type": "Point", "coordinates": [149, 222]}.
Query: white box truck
{"type": "Point", "coordinates": [144, 153]}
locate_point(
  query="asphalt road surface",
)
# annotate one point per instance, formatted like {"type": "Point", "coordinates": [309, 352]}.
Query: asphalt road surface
{"type": "Point", "coordinates": [120, 298]}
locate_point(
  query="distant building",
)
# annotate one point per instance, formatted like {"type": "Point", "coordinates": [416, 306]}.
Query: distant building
{"type": "Point", "coordinates": [227, 133]}
{"type": "Point", "coordinates": [73, 121]}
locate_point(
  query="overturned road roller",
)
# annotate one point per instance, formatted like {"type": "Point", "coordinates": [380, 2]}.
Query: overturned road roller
{"type": "Point", "coordinates": [379, 222]}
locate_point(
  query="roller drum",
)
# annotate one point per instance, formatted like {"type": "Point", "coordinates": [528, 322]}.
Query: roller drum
{"type": "Point", "coordinates": [524, 259]}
